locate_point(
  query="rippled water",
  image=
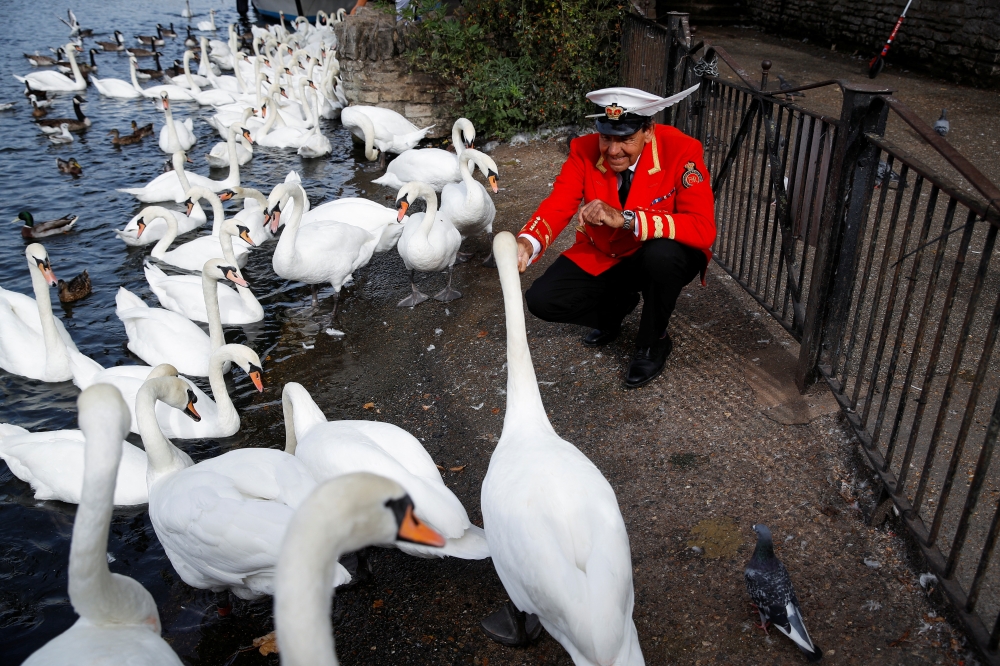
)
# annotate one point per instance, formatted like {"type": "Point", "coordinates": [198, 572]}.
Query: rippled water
{"type": "Point", "coordinates": [34, 547]}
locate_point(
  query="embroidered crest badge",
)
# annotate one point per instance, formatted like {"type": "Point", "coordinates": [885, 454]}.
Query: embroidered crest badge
{"type": "Point", "coordinates": [691, 175]}
{"type": "Point", "coordinates": [613, 112]}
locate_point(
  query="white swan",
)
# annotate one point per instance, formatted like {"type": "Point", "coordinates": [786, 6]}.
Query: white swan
{"type": "Point", "coordinates": [433, 166]}
{"type": "Point", "coordinates": [157, 228]}
{"type": "Point", "coordinates": [183, 294]}
{"type": "Point", "coordinates": [33, 343]}
{"type": "Point", "coordinates": [221, 522]}
{"type": "Point", "coordinates": [382, 128]}
{"type": "Point", "coordinates": [52, 81]}
{"type": "Point", "coordinates": [252, 214]}
{"type": "Point", "coordinates": [161, 336]}
{"type": "Point", "coordinates": [115, 88]}
{"type": "Point", "coordinates": [334, 448]}
{"type": "Point", "coordinates": [208, 26]}
{"type": "Point", "coordinates": [193, 254]}
{"type": "Point", "coordinates": [324, 251]}
{"type": "Point", "coordinates": [378, 220]}
{"type": "Point", "coordinates": [429, 243]}
{"type": "Point", "coordinates": [186, 12]}
{"type": "Point", "coordinates": [168, 186]}
{"type": "Point", "coordinates": [314, 144]}
{"type": "Point", "coordinates": [281, 137]}
{"type": "Point", "coordinates": [467, 205]}
{"type": "Point", "coordinates": [175, 136]}
{"type": "Point", "coordinates": [555, 531]}
{"type": "Point", "coordinates": [340, 516]}
{"type": "Point", "coordinates": [210, 97]}
{"type": "Point", "coordinates": [218, 157]}
{"type": "Point", "coordinates": [174, 93]}
{"type": "Point", "coordinates": [119, 622]}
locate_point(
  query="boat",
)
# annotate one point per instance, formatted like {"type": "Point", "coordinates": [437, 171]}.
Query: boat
{"type": "Point", "coordinates": [292, 8]}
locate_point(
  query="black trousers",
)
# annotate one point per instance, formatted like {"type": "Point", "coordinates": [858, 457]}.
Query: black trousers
{"type": "Point", "coordinates": [566, 293]}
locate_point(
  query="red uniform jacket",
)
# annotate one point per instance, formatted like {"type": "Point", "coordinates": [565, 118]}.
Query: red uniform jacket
{"type": "Point", "coordinates": [670, 194]}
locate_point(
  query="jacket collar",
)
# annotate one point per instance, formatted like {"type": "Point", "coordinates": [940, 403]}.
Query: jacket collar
{"type": "Point", "coordinates": [654, 152]}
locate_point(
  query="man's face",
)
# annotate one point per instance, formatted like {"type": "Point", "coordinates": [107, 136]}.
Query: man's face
{"type": "Point", "coordinates": [621, 152]}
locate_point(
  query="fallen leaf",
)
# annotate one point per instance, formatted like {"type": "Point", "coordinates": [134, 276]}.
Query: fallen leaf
{"type": "Point", "coordinates": [439, 467]}
{"type": "Point", "coordinates": [378, 603]}
{"type": "Point", "coordinates": [481, 334]}
{"type": "Point", "coordinates": [426, 407]}
{"type": "Point", "coordinates": [456, 469]}
{"type": "Point", "coordinates": [267, 644]}
{"type": "Point", "coordinates": [427, 395]}
{"type": "Point", "coordinates": [369, 405]}
{"type": "Point", "coordinates": [899, 640]}
{"type": "Point", "coordinates": [496, 410]}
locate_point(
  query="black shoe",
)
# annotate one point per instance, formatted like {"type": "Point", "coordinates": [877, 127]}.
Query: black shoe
{"type": "Point", "coordinates": [647, 363]}
{"type": "Point", "coordinates": [511, 627]}
{"type": "Point", "coordinates": [598, 338]}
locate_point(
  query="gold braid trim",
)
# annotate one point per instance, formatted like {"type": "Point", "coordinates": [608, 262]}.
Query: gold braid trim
{"type": "Point", "coordinates": [656, 158]}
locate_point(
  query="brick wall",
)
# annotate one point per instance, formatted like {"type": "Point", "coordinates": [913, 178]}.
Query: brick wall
{"type": "Point", "coordinates": [375, 72]}
{"type": "Point", "coordinates": [958, 40]}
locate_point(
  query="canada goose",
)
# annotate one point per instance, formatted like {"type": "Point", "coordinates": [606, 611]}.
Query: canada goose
{"type": "Point", "coordinates": [81, 123]}
{"type": "Point", "coordinates": [126, 140]}
{"type": "Point", "coordinates": [117, 45]}
{"type": "Point", "coordinates": [64, 65]}
{"type": "Point", "coordinates": [37, 111]}
{"type": "Point", "coordinates": [167, 32]}
{"type": "Point", "coordinates": [155, 40]}
{"type": "Point", "coordinates": [75, 289]}
{"type": "Point", "coordinates": [140, 53]}
{"type": "Point", "coordinates": [176, 70]}
{"type": "Point", "coordinates": [70, 166]}
{"type": "Point", "coordinates": [157, 73]}
{"type": "Point", "coordinates": [40, 95]}
{"type": "Point", "coordinates": [190, 41]}
{"type": "Point", "coordinates": [38, 60]}
{"type": "Point", "coordinates": [32, 230]}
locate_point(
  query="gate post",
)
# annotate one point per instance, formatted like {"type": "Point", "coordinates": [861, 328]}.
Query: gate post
{"type": "Point", "coordinates": [680, 42]}
{"type": "Point", "coordinates": [852, 181]}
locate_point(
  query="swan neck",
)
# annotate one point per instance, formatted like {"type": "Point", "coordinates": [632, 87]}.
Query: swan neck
{"type": "Point", "coordinates": [428, 222]}
{"type": "Point", "coordinates": [161, 246]}
{"type": "Point", "coordinates": [458, 141]}
{"type": "Point", "coordinates": [217, 380]}
{"type": "Point", "coordinates": [77, 74]}
{"type": "Point", "coordinates": [135, 80]}
{"type": "Point", "coordinates": [218, 217]}
{"type": "Point", "coordinates": [163, 456]}
{"type": "Point", "coordinates": [210, 289]}
{"type": "Point", "coordinates": [288, 411]}
{"type": "Point", "coordinates": [55, 348]}
{"type": "Point", "coordinates": [179, 167]}
{"type": "Point", "coordinates": [187, 73]}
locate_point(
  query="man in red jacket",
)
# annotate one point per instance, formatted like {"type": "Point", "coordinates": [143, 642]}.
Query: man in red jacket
{"type": "Point", "coordinates": [646, 226]}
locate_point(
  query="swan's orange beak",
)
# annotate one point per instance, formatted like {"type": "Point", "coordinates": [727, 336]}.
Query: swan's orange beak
{"type": "Point", "coordinates": [313, 85]}
{"type": "Point", "coordinates": [234, 276]}
{"type": "Point", "coordinates": [245, 235]}
{"type": "Point", "coordinates": [187, 158]}
{"type": "Point", "coordinates": [190, 207]}
{"type": "Point", "coordinates": [255, 378]}
{"type": "Point", "coordinates": [414, 531]}
{"type": "Point", "coordinates": [246, 135]}
{"type": "Point", "coordinates": [226, 195]}
{"type": "Point", "coordinates": [275, 220]}
{"type": "Point", "coordinates": [166, 102]}
{"type": "Point", "coordinates": [263, 110]}
{"type": "Point", "coordinates": [189, 409]}
{"type": "Point", "coordinates": [46, 270]}
{"type": "Point", "coordinates": [142, 227]}
{"type": "Point", "coordinates": [492, 178]}
{"type": "Point", "coordinates": [403, 205]}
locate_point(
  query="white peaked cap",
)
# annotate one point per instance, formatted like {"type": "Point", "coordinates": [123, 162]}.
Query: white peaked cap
{"type": "Point", "coordinates": [633, 100]}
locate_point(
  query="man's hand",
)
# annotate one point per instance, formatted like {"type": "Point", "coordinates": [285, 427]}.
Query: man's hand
{"type": "Point", "coordinates": [597, 213]}
{"type": "Point", "coordinates": [524, 252]}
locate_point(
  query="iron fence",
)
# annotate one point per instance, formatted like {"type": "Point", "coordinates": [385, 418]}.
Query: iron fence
{"type": "Point", "coordinates": [884, 271]}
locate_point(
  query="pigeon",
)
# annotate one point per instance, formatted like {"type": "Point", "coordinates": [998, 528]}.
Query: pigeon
{"type": "Point", "coordinates": [788, 85]}
{"type": "Point", "coordinates": [772, 594]}
{"type": "Point", "coordinates": [941, 125]}
{"type": "Point", "coordinates": [883, 166]}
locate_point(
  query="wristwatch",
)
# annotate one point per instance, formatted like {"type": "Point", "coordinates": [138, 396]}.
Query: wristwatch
{"type": "Point", "coordinates": [629, 219]}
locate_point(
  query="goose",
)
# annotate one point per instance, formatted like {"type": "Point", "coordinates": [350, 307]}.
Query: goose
{"type": "Point", "coordinates": [117, 45]}
{"type": "Point", "coordinates": [433, 166]}
{"type": "Point", "coordinates": [155, 40]}
{"type": "Point", "coordinates": [175, 136]}
{"type": "Point", "coordinates": [429, 243]}
{"type": "Point", "coordinates": [38, 60]}
{"type": "Point", "coordinates": [85, 69]}
{"type": "Point", "coordinates": [32, 230]}
{"type": "Point", "coordinates": [40, 95]}
{"type": "Point", "coordinates": [160, 336]}
{"type": "Point", "coordinates": [324, 251]}
{"type": "Point", "coordinates": [168, 186]}
{"type": "Point", "coordinates": [144, 74]}
{"type": "Point", "coordinates": [140, 53]}
{"type": "Point", "coordinates": [157, 228]}
{"type": "Point", "coordinates": [314, 144]}
{"type": "Point", "coordinates": [335, 448]}
{"type": "Point", "coordinates": [186, 12]}
{"type": "Point", "coordinates": [467, 205]}
{"type": "Point", "coordinates": [219, 418]}
{"type": "Point", "coordinates": [210, 97]}
{"type": "Point", "coordinates": [555, 532]}
{"type": "Point", "coordinates": [53, 462]}
{"type": "Point", "coordinates": [192, 255]}
{"type": "Point", "coordinates": [119, 622]}
{"type": "Point", "coordinates": [70, 166]}
{"type": "Point", "coordinates": [166, 32]}
{"type": "Point", "coordinates": [221, 522]}
{"type": "Point", "coordinates": [340, 516]}
{"type": "Point", "coordinates": [190, 41]}
{"type": "Point", "coordinates": [33, 343]}
{"type": "Point", "coordinates": [78, 124]}
{"type": "Point", "coordinates": [115, 88]}
{"type": "Point", "coordinates": [208, 26]}
{"type": "Point", "coordinates": [218, 157]}
{"type": "Point", "coordinates": [74, 290]}
{"type": "Point", "coordinates": [174, 93]}
{"type": "Point", "coordinates": [54, 81]}
{"type": "Point", "coordinates": [381, 128]}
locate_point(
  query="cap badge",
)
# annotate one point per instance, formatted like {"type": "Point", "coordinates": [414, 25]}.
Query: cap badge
{"type": "Point", "coordinates": [691, 175]}
{"type": "Point", "coordinates": [613, 112]}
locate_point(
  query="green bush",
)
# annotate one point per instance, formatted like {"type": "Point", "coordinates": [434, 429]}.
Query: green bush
{"type": "Point", "coordinates": [516, 65]}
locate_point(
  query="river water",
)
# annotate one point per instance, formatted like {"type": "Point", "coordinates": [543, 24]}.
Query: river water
{"type": "Point", "coordinates": [34, 547]}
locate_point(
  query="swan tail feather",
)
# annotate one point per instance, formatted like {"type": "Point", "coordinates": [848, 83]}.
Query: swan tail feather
{"type": "Point", "coordinates": [10, 430]}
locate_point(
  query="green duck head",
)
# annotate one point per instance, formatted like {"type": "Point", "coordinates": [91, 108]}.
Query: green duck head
{"type": "Point", "coordinates": [25, 216]}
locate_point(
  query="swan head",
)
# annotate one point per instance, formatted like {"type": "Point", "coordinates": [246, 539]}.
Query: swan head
{"type": "Point", "coordinates": [233, 228]}
{"type": "Point", "coordinates": [162, 370]}
{"type": "Point", "coordinates": [196, 194]}
{"type": "Point", "coordinates": [38, 260]}
{"type": "Point", "coordinates": [101, 407]}
{"type": "Point", "coordinates": [467, 130]}
{"type": "Point", "coordinates": [173, 391]}
{"type": "Point", "coordinates": [247, 359]}
{"type": "Point", "coordinates": [409, 193]}
{"type": "Point", "coordinates": [280, 195]}
{"type": "Point", "coordinates": [245, 133]}
{"type": "Point", "coordinates": [150, 213]}
{"type": "Point", "coordinates": [219, 269]}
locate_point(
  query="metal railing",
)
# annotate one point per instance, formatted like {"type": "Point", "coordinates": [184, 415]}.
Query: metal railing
{"type": "Point", "coordinates": [883, 269]}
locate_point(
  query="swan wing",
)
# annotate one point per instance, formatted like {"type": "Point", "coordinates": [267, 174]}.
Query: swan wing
{"type": "Point", "coordinates": [85, 643]}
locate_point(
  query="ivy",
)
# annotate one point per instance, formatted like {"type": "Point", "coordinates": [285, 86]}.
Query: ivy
{"type": "Point", "coordinates": [515, 65]}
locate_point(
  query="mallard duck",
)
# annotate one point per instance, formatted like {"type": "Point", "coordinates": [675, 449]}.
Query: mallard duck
{"type": "Point", "coordinates": [81, 123]}
{"type": "Point", "coordinates": [75, 289]}
{"type": "Point", "coordinates": [37, 111]}
{"type": "Point", "coordinates": [143, 131]}
{"type": "Point", "coordinates": [32, 230]}
{"type": "Point", "coordinates": [126, 140]}
{"type": "Point", "coordinates": [117, 45]}
{"type": "Point", "coordinates": [70, 166]}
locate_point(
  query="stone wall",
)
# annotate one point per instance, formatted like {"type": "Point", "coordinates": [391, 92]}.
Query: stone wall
{"type": "Point", "coordinates": [958, 40]}
{"type": "Point", "coordinates": [375, 72]}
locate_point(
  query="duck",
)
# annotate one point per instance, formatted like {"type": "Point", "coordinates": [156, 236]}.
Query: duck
{"type": "Point", "coordinates": [467, 205]}
{"type": "Point", "coordinates": [7, 106]}
{"type": "Point", "coordinates": [334, 448]}
{"type": "Point", "coordinates": [36, 111]}
{"type": "Point", "coordinates": [429, 243]}
{"type": "Point", "coordinates": [220, 522]}
{"type": "Point", "coordinates": [219, 157]}
{"type": "Point", "coordinates": [78, 124]}
{"type": "Point", "coordinates": [117, 45]}
{"type": "Point", "coordinates": [127, 140]}
{"type": "Point", "coordinates": [175, 136]}
{"type": "Point", "coordinates": [219, 417]}
{"type": "Point", "coordinates": [64, 135]}
{"type": "Point", "coordinates": [160, 336]}
{"type": "Point", "coordinates": [554, 528]}
{"type": "Point", "coordinates": [70, 166]}
{"type": "Point", "coordinates": [76, 289]}
{"type": "Point", "coordinates": [340, 516]}
{"type": "Point", "coordinates": [168, 186]}
{"type": "Point", "coordinates": [54, 81]}
{"type": "Point", "coordinates": [144, 131]}
{"type": "Point", "coordinates": [53, 463]}
{"type": "Point", "coordinates": [31, 230]}
{"type": "Point", "coordinates": [381, 130]}
{"type": "Point", "coordinates": [119, 621]}
{"type": "Point", "coordinates": [33, 343]}
{"type": "Point", "coordinates": [157, 228]}
{"type": "Point", "coordinates": [433, 166]}
{"type": "Point", "coordinates": [324, 251]}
